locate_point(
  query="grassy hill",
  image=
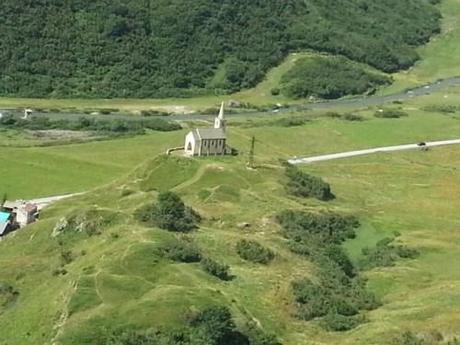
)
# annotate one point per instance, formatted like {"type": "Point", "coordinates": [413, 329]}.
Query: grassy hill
{"type": "Point", "coordinates": [163, 48]}
{"type": "Point", "coordinates": [80, 286]}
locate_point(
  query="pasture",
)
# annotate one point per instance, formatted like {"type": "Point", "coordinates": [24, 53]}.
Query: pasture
{"type": "Point", "coordinates": [32, 171]}
{"type": "Point", "coordinates": [116, 280]}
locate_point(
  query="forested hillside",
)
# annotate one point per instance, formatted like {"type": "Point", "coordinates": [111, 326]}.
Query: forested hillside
{"type": "Point", "coordinates": [160, 48]}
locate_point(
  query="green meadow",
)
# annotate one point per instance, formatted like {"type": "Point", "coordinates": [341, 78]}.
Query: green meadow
{"type": "Point", "coordinates": [114, 279]}
{"type": "Point", "coordinates": [32, 171]}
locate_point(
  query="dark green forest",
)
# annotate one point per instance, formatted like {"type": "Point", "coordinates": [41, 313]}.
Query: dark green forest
{"type": "Point", "coordinates": [329, 78]}
{"type": "Point", "coordinates": [163, 48]}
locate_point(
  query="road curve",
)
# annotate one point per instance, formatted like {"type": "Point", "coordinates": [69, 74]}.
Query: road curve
{"type": "Point", "coordinates": [349, 103]}
{"type": "Point", "coordinates": [329, 157]}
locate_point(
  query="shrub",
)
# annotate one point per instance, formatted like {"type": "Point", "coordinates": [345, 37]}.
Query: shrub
{"type": "Point", "coordinates": [338, 294]}
{"type": "Point", "coordinates": [431, 338]}
{"type": "Point", "coordinates": [147, 113]}
{"type": "Point", "coordinates": [216, 269]}
{"type": "Point", "coordinates": [327, 227]}
{"type": "Point", "coordinates": [211, 326]}
{"type": "Point", "coordinates": [385, 254]}
{"type": "Point", "coordinates": [170, 213]}
{"type": "Point", "coordinates": [254, 252]}
{"type": "Point", "coordinates": [114, 126]}
{"type": "Point", "coordinates": [390, 113]}
{"type": "Point", "coordinates": [275, 91]}
{"type": "Point", "coordinates": [304, 185]}
{"type": "Point", "coordinates": [66, 257]}
{"type": "Point", "coordinates": [181, 251]}
{"type": "Point", "coordinates": [340, 323]}
{"type": "Point", "coordinates": [289, 122]}
{"type": "Point", "coordinates": [333, 115]}
{"type": "Point", "coordinates": [441, 108]}
{"type": "Point", "coordinates": [352, 117]}
{"type": "Point", "coordinates": [8, 294]}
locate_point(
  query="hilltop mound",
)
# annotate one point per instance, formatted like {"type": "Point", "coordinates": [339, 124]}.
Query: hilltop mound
{"type": "Point", "coordinates": [178, 48]}
{"type": "Point", "coordinates": [91, 269]}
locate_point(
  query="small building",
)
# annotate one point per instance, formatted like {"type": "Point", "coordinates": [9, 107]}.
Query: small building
{"type": "Point", "coordinates": [23, 213]}
{"type": "Point", "coordinates": [26, 214]}
{"type": "Point", "coordinates": [208, 141]}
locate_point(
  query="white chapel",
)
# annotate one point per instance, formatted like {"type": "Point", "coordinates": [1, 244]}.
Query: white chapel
{"type": "Point", "coordinates": [208, 141]}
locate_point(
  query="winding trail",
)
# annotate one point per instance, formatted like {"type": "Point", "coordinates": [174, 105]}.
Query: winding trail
{"type": "Point", "coordinates": [329, 157]}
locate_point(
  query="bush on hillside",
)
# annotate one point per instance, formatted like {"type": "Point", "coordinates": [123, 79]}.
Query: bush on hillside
{"type": "Point", "coordinates": [329, 78]}
{"type": "Point", "coordinates": [442, 108]}
{"type": "Point", "coordinates": [8, 294]}
{"type": "Point", "coordinates": [254, 252]}
{"type": "Point", "coordinates": [390, 113]}
{"type": "Point", "coordinates": [329, 227]}
{"type": "Point", "coordinates": [338, 294]}
{"type": "Point", "coordinates": [339, 323]}
{"type": "Point", "coordinates": [289, 122]}
{"type": "Point", "coordinates": [432, 338]}
{"type": "Point", "coordinates": [169, 213]}
{"type": "Point", "coordinates": [116, 126]}
{"type": "Point", "coordinates": [352, 117]}
{"type": "Point", "coordinates": [216, 269]}
{"type": "Point", "coordinates": [304, 185]}
{"type": "Point", "coordinates": [385, 254]}
{"type": "Point", "coordinates": [180, 251]}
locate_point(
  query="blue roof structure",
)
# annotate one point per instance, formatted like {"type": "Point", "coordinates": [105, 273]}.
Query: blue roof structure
{"type": "Point", "coordinates": [4, 216]}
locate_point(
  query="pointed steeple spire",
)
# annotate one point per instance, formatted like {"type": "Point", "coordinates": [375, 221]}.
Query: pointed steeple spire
{"type": "Point", "coordinates": [221, 112]}
{"type": "Point", "coordinates": [219, 122]}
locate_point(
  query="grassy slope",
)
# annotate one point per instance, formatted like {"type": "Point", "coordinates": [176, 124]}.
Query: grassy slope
{"type": "Point", "coordinates": [118, 281]}
{"type": "Point", "coordinates": [38, 171]}
{"type": "Point", "coordinates": [438, 58]}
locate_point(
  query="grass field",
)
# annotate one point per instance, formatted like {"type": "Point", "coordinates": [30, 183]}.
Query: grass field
{"type": "Point", "coordinates": [114, 281]}
{"type": "Point", "coordinates": [41, 171]}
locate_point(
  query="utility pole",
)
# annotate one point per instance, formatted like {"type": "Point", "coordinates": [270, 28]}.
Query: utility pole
{"type": "Point", "coordinates": [251, 153]}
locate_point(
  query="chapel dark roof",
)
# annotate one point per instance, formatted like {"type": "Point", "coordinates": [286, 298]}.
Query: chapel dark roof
{"type": "Point", "coordinates": [210, 133]}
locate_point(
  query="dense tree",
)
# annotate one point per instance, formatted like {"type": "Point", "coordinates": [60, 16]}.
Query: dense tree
{"type": "Point", "coordinates": [145, 48]}
{"type": "Point", "coordinates": [338, 294]}
{"type": "Point", "coordinates": [329, 78]}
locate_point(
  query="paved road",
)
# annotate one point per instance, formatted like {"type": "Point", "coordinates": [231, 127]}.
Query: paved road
{"type": "Point", "coordinates": [351, 103]}
{"type": "Point", "coordinates": [43, 202]}
{"type": "Point", "coordinates": [329, 157]}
